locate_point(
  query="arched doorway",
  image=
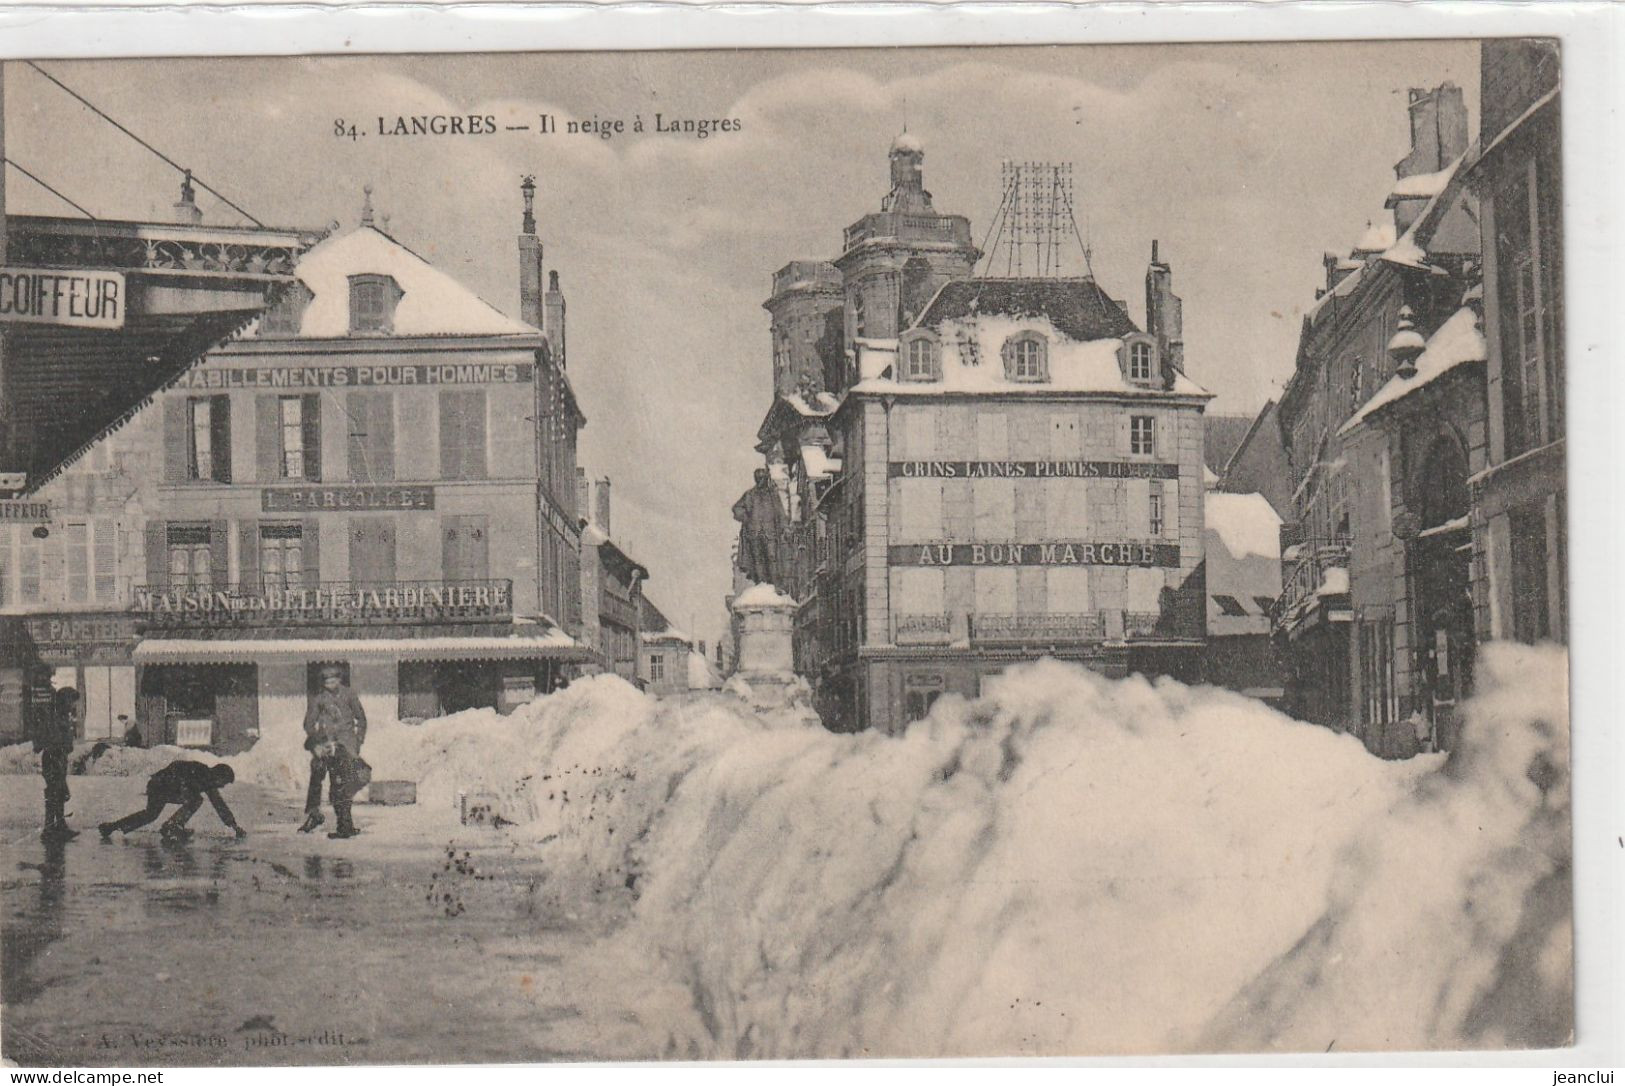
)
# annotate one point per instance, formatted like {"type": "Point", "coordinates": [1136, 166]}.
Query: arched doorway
{"type": "Point", "coordinates": [1441, 558]}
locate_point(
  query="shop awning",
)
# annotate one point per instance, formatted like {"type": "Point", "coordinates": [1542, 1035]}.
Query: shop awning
{"type": "Point", "coordinates": [523, 642]}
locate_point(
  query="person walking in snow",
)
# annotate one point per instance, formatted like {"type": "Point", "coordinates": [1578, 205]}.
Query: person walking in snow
{"type": "Point", "coordinates": [187, 783]}
{"type": "Point", "coordinates": [53, 741]}
{"type": "Point", "coordinates": [335, 728]}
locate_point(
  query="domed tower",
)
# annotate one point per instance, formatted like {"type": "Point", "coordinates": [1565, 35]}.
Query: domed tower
{"type": "Point", "coordinates": [808, 348]}
{"type": "Point", "coordinates": [895, 259]}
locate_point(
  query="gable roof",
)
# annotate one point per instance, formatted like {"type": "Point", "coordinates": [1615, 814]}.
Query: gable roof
{"type": "Point", "coordinates": [432, 303]}
{"type": "Point", "coordinates": [1078, 308]}
{"type": "Point", "coordinates": [1222, 435]}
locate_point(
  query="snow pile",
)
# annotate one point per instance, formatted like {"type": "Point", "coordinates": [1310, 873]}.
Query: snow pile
{"type": "Point", "coordinates": [1069, 865]}
{"type": "Point", "coordinates": [1075, 865]}
{"type": "Point", "coordinates": [1449, 921]}
{"type": "Point", "coordinates": [115, 760]}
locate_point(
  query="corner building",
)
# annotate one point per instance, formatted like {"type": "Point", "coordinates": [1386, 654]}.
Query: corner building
{"type": "Point", "coordinates": [379, 475]}
{"type": "Point", "coordinates": [1002, 469]}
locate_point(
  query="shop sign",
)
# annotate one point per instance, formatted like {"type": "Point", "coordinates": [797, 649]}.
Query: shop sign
{"type": "Point", "coordinates": [404, 602]}
{"type": "Point", "coordinates": [1031, 469]}
{"type": "Point", "coordinates": [345, 499]}
{"type": "Point", "coordinates": [432, 374]}
{"type": "Point", "coordinates": [28, 512]}
{"type": "Point", "coordinates": [77, 298]}
{"type": "Point", "coordinates": [89, 639]}
{"type": "Point", "coordinates": [1165, 555]}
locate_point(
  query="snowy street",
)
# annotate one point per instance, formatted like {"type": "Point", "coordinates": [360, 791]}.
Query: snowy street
{"type": "Point", "coordinates": [389, 948]}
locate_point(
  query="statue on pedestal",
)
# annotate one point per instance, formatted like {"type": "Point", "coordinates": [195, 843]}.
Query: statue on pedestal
{"type": "Point", "coordinates": [763, 530]}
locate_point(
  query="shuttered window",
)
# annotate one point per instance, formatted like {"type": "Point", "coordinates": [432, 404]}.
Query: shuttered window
{"type": "Point", "coordinates": [464, 549]}
{"type": "Point", "coordinates": [371, 438]}
{"type": "Point", "coordinates": [77, 542]}
{"type": "Point", "coordinates": [281, 555]}
{"type": "Point", "coordinates": [462, 433]}
{"type": "Point", "coordinates": [191, 555]}
{"type": "Point", "coordinates": [372, 304]}
{"type": "Point", "coordinates": [372, 550]}
{"type": "Point", "coordinates": [207, 438]}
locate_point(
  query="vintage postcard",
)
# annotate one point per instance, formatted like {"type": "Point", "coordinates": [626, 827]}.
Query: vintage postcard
{"type": "Point", "coordinates": [784, 554]}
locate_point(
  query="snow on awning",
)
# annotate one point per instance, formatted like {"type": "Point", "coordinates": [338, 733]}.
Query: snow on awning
{"type": "Point", "coordinates": [1458, 524]}
{"type": "Point", "coordinates": [552, 645]}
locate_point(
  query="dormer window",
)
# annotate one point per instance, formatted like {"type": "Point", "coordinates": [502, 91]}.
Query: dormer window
{"type": "Point", "coordinates": [1026, 357]}
{"type": "Point", "coordinates": [921, 361]}
{"type": "Point", "coordinates": [1140, 361]}
{"type": "Point", "coordinates": [286, 317]}
{"type": "Point", "coordinates": [372, 304]}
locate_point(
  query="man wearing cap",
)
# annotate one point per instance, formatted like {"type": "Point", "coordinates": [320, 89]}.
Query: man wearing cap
{"type": "Point", "coordinates": [334, 722]}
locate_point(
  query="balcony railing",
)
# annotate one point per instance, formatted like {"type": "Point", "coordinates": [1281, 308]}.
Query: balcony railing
{"type": "Point", "coordinates": [1047, 629]}
{"type": "Point", "coordinates": [923, 629]}
{"type": "Point", "coordinates": [326, 603]}
{"type": "Point", "coordinates": [1304, 572]}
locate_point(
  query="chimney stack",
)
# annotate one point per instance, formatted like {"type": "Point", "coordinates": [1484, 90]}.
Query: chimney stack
{"type": "Point", "coordinates": [554, 326]}
{"type": "Point", "coordinates": [603, 505]}
{"type": "Point", "coordinates": [583, 495]}
{"type": "Point", "coordinates": [530, 258]}
{"type": "Point", "coordinates": [1164, 313]}
{"type": "Point", "coordinates": [186, 209]}
{"type": "Point", "coordinates": [1439, 136]}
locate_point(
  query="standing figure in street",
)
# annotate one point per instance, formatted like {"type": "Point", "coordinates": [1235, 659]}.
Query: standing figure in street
{"type": "Point", "coordinates": [762, 531]}
{"type": "Point", "coordinates": [53, 740]}
{"type": "Point", "coordinates": [187, 783]}
{"type": "Point", "coordinates": [335, 724]}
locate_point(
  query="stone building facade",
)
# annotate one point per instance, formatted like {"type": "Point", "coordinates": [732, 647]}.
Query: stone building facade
{"type": "Point", "coordinates": [1519, 496]}
{"type": "Point", "coordinates": [1008, 468]}
{"type": "Point", "coordinates": [1347, 619]}
{"type": "Point", "coordinates": [379, 474]}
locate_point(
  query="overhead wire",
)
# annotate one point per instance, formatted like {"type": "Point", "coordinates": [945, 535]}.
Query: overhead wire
{"type": "Point", "coordinates": [204, 185]}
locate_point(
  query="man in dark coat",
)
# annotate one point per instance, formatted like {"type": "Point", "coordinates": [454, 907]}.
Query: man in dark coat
{"type": "Point", "coordinates": [762, 528]}
{"type": "Point", "coordinates": [53, 740]}
{"type": "Point", "coordinates": [335, 715]}
{"type": "Point", "coordinates": [184, 782]}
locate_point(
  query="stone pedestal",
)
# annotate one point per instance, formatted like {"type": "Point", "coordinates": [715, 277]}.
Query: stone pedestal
{"type": "Point", "coordinates": [766, 621]}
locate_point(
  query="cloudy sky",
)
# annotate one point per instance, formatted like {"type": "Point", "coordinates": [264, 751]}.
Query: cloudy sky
{"type": "Point", "coordinates": [1245, 162]}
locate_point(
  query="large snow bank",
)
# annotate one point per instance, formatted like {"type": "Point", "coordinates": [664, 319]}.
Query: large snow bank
{"type": "Point", "coordinates": [1069, 865]}
{"type": "Point", "coordinates": [1076, 865]}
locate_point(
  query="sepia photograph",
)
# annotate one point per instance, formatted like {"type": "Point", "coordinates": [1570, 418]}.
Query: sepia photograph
{"type": "Point", "coordinates": [785, 554]}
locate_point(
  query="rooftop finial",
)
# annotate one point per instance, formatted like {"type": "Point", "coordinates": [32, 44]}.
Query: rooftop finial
{"type": "Point", "coordinates": [366, 205]}
{"type": "Point", "coordinates": [188, 193]}
{"type": "Point", "coordinates": [527, 189]}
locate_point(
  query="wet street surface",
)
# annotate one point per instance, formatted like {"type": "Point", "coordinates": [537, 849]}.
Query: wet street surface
{"type": "Point", "coordinates": [396, 947]}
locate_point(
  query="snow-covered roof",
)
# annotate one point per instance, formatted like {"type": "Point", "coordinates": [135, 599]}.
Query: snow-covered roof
{"type": "Point", "coordinates": [818, 463]}
{"type": "Point", "coordinates": [432, 303]}
{"type": "Point", "coordinates": [1422, 186]}
{"type": "Point", "coordinates": [1457, 341]}
{"type": "Point", "coordinates": [670, 634]}
{"type": "Point", "coordinates": [1246, 524]}
{"type": "Point", "coordinates": [970, 360]}
{"type": "Point", "coordinates": [1377, 237]}
{"type": "Point", "coordinates": [1334, 582]}
{"type": "Point", "coordinates": [821, 404]}
{"type": "Point", "coordinates": [908, 142]}
{"type": "Point", "coordinates": [1076, 307]}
